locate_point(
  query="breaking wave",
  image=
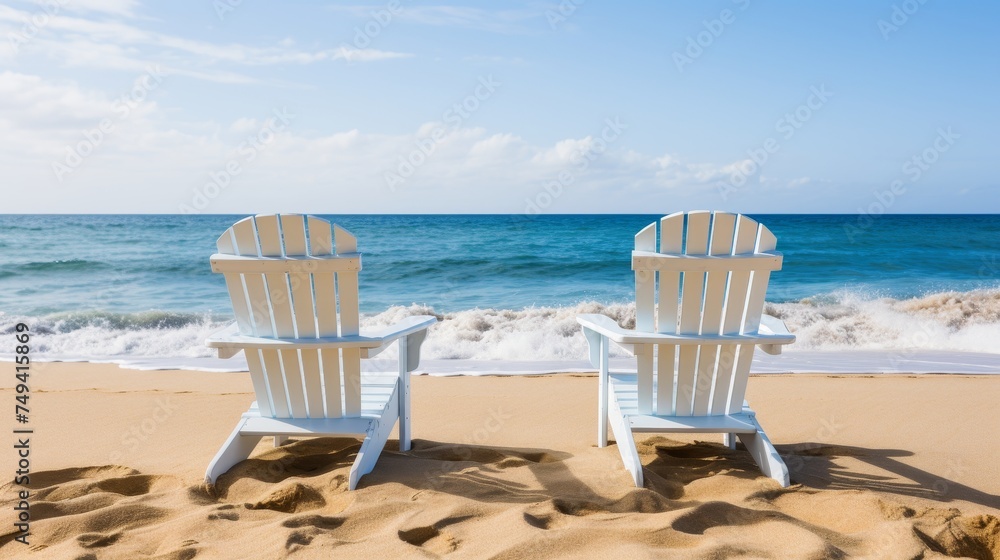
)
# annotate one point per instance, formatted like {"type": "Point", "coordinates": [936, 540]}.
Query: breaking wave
{"type": "Point", "coordinates": [950, 321]}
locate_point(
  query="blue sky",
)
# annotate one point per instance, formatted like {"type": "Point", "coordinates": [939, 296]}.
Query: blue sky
{"type": "Point", "coordinates": [504, 107]}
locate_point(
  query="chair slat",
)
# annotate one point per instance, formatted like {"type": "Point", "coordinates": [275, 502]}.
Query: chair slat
{"type": "Point", "coordinates": [352, 381]}
{"type": "Point", "coordinates": [312, 379]}
{"type": "Point", "coordinates": [758, 288]}
{"type": "Point", "coordinates": [723, 227]}
{"type": "Point", "coordinates": [260, 310]}
{"type": "Point", "coordinates": [293, 232]}
{"type": "Point", "coordinates": [347, 287]}
{"type": "Point", "coordinates": [645, 281]}
{"type": "Point", "coordinates": [751, 322]}
{"type": "Point", "coordinates": [740, 378]}
{"type": "Point", "coordinates": [666, 356]}
{"type": "Point", "coordinates": [324, 285]}
{"type": "Point", "coordinates": [333, 383]}
{"type": "Point", "coordinates": [692, 292]}
{"type": "Point", "coordinates": [347, 297]}
{"type": "Point", "coordinates": [667, 308]}
{"type": "Point", "coordinates": [234, 285]}
{"type": "Point", "coordinates": [277, 282]}
{"type": "Point", "coordinates": [320, 237]}
{"type": "Point", "coordinates": [275, 383]}
{"type": "Point", "coordinates": [293, 383]}
{"type": "Point", "coordinates": [671, 242]}
{"type": "Point", "coordinates": [739, 284]}
{"type": "Point", "coordinates": [644, 359]}
{"type": "Point", "coordinates": [344, 242]}
{"type": "Point", "coordinates": [259, 385]}
{"type": "Point", "coordinates": [325, 309]}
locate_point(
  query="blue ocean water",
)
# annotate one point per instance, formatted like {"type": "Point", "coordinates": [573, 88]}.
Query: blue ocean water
{"type": "Point", "coordinates": [96, 280]}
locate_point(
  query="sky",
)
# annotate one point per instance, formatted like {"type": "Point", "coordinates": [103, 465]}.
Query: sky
{"type": "Point", "coordinates": [578, 106]}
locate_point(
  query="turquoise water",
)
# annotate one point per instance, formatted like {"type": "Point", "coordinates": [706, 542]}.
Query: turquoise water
{"type": "Point", "coordinates": [51, 264]}
{"type": "Point", "coordinates": [128, 285]}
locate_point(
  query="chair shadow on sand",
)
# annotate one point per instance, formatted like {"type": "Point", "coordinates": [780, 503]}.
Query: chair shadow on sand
{"type": "Point", "coordinates": [814, 465]}
{"type": "Point", "coordinates": [478, 472]}
{"type": "Point", "coordinates": [472, 471]}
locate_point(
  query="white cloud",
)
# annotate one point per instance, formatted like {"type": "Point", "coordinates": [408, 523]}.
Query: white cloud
{"type": "Point", "coordinates": [794, 183]}
{"type": "Point", "coordinates": [150, 162]}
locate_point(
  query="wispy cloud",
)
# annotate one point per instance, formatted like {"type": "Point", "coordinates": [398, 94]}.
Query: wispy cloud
{"type": "Point", "coordinates": [124, 8]}
{"type": "Point", "coordinates": [116, 44]}
{"type": "Point", "coordinates": [518, 21]}
{"type": "Point", "coordinates": [486, 60]}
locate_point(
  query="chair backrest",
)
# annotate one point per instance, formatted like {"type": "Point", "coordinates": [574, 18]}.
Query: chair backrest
{"type": "Point", "coordinates": [289, 277]}
{"type": "Point", "coordinates": [709, 277]}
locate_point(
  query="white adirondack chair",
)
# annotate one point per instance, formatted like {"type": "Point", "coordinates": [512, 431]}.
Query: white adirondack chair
{"type": "Point", "coordinates": [693, 350]}
{"type": "Point", "coordinates": [294, 289]}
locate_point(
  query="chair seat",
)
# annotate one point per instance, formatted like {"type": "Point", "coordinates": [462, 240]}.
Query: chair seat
{"type": "Point", "coordinates": [624, 388]}
{"type": "Point", "coordinates": [376, 393]}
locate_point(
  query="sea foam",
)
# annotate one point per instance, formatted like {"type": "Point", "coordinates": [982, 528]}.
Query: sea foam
{"type": "Point", "coordinates": [955, 322]}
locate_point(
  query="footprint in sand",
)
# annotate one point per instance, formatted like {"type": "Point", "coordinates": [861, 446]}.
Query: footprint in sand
{"type": "Point", "coordinates": [97, 540]}
{"type": "Point", "coordinates": [433, 538]}
{"type": "Point", "coordinates": [307, 528]}
{"type": "Point", "coordinates": [430, 539]}
{"type": "Point", "coordinates": [316, 521]}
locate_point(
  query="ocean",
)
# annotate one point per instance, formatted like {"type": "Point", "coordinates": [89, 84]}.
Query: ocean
{"type": "Point", "coordinates": [886, 293]}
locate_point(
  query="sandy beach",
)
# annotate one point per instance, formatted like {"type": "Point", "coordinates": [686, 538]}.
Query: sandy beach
{"type": "Point", "coordinates": [886, 466]}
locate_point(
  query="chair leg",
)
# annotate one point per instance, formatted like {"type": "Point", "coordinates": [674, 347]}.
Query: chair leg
{"type": "Point", "coordinates": [625, 441]}
{"type": "Point", "coordinates": [766, 456]}
{"type": "Point", "coordinates": [602, 395]}
{"type": "Point", "coordinates": [236, 449]}
{"type": "Point", "coordinates": [280, 440]}
{"type": "Point", "coordinates": [404, 397]}
{"type": "Point", "coordinates": [378, 434]}
{"type": "Point", "coordinates": [729, 440]}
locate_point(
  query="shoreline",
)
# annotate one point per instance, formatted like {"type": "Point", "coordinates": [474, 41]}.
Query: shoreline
{"type": "Point", "coordinates": [829, 362]}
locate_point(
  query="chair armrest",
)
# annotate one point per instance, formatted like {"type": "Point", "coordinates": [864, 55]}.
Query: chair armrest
{"type": "Point", "coordinates": [413, 328]}
{"type": "Point", "coordinates": [402, 328]}
{"type": "Point", "coordinates": [775, 327]}
{"type": "Point", "coordinates": [225, 333]}
{"type": "Point", "coordinates": [771, 335]}
{"type": "Point", "coordinates": [229, 341]}
{"type": "Point", "coordinates": [605, 326]}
